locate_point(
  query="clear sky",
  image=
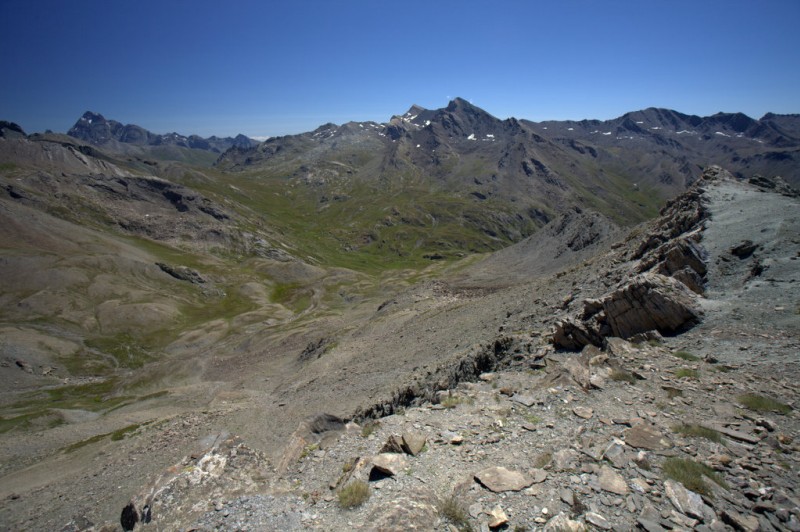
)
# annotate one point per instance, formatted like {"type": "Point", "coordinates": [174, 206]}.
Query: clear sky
{"type": "Point", "coordinates": [278, 67]}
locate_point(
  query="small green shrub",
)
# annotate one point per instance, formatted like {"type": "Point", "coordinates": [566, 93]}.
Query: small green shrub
{"type": "Point", "coordinates": [759, 403]}
{"type": "Point", "coordinates": [454, 512]}
{"type": "Point", "coordinates": [698, 431]}
{"type": "Point", "coordinates": [685, 355]}
{"type": "Point", "coordinates": [354, 494]}
{"type": "Point", "coordinates": [687, 373]}
{"type": "Point", "coordinates": [691, 473]}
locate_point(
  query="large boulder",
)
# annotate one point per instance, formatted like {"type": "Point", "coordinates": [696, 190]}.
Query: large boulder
{"type": "Point", "coordinates": [649, 301]}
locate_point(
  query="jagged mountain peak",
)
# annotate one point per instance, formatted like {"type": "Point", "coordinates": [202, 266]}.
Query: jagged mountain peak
{"type": "Point", "coordinates": [91, 116]}
{"type": "Point", "coordinates": [463, 106]}
{"type": "Point", "coordinates": [415, 110]}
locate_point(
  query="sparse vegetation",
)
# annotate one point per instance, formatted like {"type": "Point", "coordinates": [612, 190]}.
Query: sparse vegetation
{"type": "Point", "coordinates": [672, 392]}
{"type": "Point", "coordinates": [760, 403]}
{"type": "Point", "coordinates": [454, 512]}
{"type": "Point", "coordinates": [543, 460]}
{"type": "Point", "coordinates": [698, 431]}
{"type": "Point", "coordinates": [687, 373]}
{"type": "Point", "coordinates": [354, 494]}
{"type": "Point", "coordinates": [533, 419]}
{"type": "Point", "coordinates": [308, 449]}
{"type": "Point", "coordinates": [451, 401]}
{"type": "Point", "coordinates": [620, 375]}
{"type": "Point", "coordinates": [369, 427]}
{"type": "Point", "coordinates": [685, 355]}
{"type": "Point", "coordinates": [83, 443]}
{"type": "Point", "coordinates": [123, 432]}
{"type": "Point", "coordinates": [691, 473]}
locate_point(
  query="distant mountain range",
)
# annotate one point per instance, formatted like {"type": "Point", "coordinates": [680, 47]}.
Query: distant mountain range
{"type": "Point", "coordinates": [505, 178]}
{"type": "Point", "coordinates": [432, 184]}
{"type": "Point", "coordinates": [653, 145]}
{"type": "Point", "coordinates": [111, 135]}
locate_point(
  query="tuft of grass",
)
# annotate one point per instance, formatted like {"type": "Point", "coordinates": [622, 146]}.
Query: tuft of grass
{"type": "Point", "coordinates": [369, 427]}
{"type": "Point", "coordinates": [454, 512]}
{"type": "Point", "coordinates": [759, 403]}
{"type": "Point", "coordinates": [308, 449]}
{"type": "Point", "coordinates": [691, 473]}
{"type": "Point", "coordinates": [533, 419]}
{"type": "Point", "coordinates": [620, 375]}
{"type": "Point", "coordinates": [687, 373]}
{"type": "Point", "coordinates": [451, 401]}
{"type": "Point", "coordinates": [354, 494]}
{"type": "Point", "coordinates": [698, 431]}
{"type": "Point", "coordinates": [685, 355]}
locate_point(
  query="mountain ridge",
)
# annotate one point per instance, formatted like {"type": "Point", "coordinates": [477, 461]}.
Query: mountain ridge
{"type": "Point", "coordinates": [97, 130]}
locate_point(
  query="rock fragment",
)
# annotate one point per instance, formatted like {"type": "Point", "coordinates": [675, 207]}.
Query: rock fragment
{"type": "Point", "coordinates": [612, 481]}
{"type": "Point", "coordinates": [499, 479]}
{"type": "Point", "coordinates": [389, 463]}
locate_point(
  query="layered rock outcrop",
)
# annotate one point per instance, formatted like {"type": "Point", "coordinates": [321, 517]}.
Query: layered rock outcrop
{"type": "Point", "coordinates": [669, 275]}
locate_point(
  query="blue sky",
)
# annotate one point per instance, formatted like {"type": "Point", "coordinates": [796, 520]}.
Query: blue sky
{"type": "Point", "coordinates": [271, 68]}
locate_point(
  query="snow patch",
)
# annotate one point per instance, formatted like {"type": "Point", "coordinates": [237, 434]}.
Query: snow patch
{"type": "Point", "coordinates": [570, 129]}
{"type": "Point", "coordinates": [721, 134]}
{"type": "Point", "coordinates": [471, 136]}
{"type": "Point", "coordinates": [686, 132]}
{"type": "Point", "coordinates": [640, 122]}
{"type": "Point", "coordinates": [427, 123]}
{"type": "Point", "coordinates": [607, 133]}
{"type": "Point", "coordinates": [489, 136]}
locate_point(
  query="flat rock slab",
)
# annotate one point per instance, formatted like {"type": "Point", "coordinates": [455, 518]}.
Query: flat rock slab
{"type": "Point", "coordinates": [583, 412]}
{"type": "Point", "coordinates": [598, 521]}
{"type": "Point", "coordinates": [646, 437]}
{"type": "Point", "coordinates": [612, 481]}
{"type": "Point", "coordinates": [417, 511]}
{"type": "Point", "coordinates": [738, 435]}
{"type": "Point", "coordinates": [499, 479]}
{"type": "Point", "coordinates": [525, 400]}
{"type": "Point", "coordinates": [686, 501]}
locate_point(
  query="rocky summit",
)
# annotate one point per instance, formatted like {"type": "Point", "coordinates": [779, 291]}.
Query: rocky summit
{"type": "Point", "coordinates": [251, 345]}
